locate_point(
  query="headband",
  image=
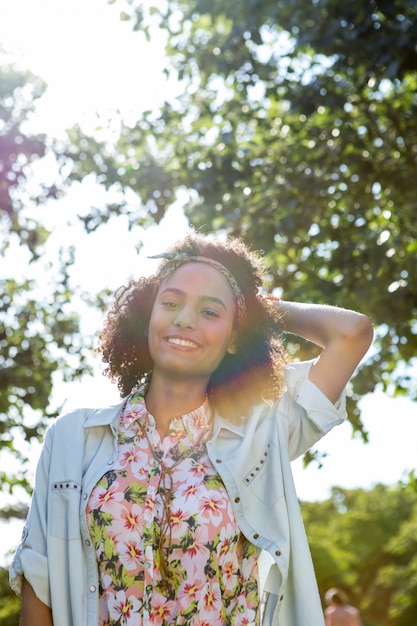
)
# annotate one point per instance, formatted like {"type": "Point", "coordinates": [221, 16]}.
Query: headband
{"type": "Point", "coordinates": [175, 259]}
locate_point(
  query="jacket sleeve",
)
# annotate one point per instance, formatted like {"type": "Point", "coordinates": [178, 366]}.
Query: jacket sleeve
{"type": "Point", "coordinates": [309, 412]}
{"type": "Point", "coordinates": [31, 559]}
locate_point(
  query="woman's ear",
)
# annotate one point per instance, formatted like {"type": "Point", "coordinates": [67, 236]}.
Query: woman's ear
{"type": "Point", "coordinates": [232, 347]}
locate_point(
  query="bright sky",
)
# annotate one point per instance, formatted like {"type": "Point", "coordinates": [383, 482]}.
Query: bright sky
{"type": "Point", "coordinates": [94, 64]}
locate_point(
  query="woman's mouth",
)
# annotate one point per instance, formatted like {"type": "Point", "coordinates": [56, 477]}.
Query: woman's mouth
{"type": "Point", "coordinates": [184, 343]}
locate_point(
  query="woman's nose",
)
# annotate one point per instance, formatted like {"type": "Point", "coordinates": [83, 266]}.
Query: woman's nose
{"type": "Point", "coordinates": [186, 318]}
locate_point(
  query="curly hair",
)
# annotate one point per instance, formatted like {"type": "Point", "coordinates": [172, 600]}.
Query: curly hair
{"type": "Point", "coordinates": [253, 374]}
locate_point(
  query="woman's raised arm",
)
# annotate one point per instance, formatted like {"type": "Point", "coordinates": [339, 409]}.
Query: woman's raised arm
{"type": "Point", "coordinates": [343, 335]}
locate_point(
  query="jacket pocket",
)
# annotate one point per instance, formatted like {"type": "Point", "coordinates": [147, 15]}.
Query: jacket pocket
{"type": "Point", "coordinates": [64, 520]}
{"type": "Point", "coordinates": [264, 478]}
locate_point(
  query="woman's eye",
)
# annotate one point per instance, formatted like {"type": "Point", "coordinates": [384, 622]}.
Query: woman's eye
{"type": "Point", "coordinates": [210, 313]}
{"type": "Point", "coordinates": [169, 304]}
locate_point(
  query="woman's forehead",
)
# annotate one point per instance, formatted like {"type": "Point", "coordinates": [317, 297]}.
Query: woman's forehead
{"type": "Point", "coordinates": [195, 276]}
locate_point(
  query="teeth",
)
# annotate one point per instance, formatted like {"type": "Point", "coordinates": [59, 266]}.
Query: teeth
{"type": "Point", "coordinates": [182, 342]}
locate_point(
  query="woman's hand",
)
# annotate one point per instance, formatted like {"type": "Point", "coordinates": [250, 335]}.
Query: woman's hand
{"type": "Point", "coordinates": [343, 335]}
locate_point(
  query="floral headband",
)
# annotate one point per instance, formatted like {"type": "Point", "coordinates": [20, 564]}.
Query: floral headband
{"type": "Point", "coordinates": [175, 259]}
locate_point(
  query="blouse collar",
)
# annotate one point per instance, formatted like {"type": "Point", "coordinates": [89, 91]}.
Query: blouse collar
{"type": "Point", "coordinates": [193, 422]}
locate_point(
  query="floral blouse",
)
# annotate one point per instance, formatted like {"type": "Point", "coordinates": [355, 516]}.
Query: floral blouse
{"type": "Point", "coordinates": [168, 547]}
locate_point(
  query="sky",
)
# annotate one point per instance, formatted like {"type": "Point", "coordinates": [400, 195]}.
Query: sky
{"type": "Point", "coordinates": [95, 66]}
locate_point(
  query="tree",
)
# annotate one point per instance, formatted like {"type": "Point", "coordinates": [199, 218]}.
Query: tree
{"type": "Point", "coordinates": [9, 602]}
{"type": "Point", "coordinates": [363, 541]}
{"type": "Point", "coordinates": [400, 574]}
{"type": "Point", "coordinates": [39, 336]}
{"type": "Point", "coordinates": [296, 130]}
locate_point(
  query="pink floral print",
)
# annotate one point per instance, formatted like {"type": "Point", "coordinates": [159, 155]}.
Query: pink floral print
{"type": "Point", "coordinates": [213, 573]}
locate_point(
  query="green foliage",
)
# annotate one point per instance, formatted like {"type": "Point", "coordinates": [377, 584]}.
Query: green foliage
{"type": "Point", "coordinates": [39, 332]}
{"type": "Point", "coordinates": [18, 94]}
{"type": "Point", "coordinates": [9, 602]}
{"type": "Point", "coordinates": [400, 574]}
{"type": "Point", "coordinates": [38, 337]}
{"type": "Point", "coordinates": [365, 543]}
{"type": "Point", "coordinates": [296, 130]}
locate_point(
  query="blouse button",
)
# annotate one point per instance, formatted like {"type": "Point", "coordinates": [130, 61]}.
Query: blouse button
{"type": "Point", "coordinates": [256, 536]}
{"type": "Point", "coordinates": [87, 542]}
{"type": "Point", "coordinates": [92, 588]}
{"type": "Point", "coordinates": [218, 460]}
{"type": "Point", "coordinates": [277, 552]}
{"type": "Point", "coordinates": [237, 499]}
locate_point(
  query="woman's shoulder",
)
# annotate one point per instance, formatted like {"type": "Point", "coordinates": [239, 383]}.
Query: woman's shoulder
{"type": "Point", "coordinates": [85, 417]}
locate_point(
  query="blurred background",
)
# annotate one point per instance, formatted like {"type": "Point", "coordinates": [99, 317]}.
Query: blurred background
{"type": "Point", "coordinates": [289, 123]}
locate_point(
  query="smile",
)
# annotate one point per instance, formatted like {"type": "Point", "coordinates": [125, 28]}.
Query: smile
{"type": "Point", "coordinates": [185, 343]}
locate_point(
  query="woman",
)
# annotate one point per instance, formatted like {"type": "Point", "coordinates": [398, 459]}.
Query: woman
{"type": "Point", "coordinates": [177, 506]}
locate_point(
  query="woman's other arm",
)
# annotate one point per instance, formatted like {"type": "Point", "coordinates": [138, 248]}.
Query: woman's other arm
{"type": "Point", "coordinates": [343, 335]}
{"type": "Point", "coordinates": [34, 612]}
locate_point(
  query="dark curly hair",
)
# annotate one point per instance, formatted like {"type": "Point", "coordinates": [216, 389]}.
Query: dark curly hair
{"type": "Point", "coordinates": [252, 374]}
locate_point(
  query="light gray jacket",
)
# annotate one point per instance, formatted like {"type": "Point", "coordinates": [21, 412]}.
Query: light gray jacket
{"type": "Point", "coordinates": [56, 554]}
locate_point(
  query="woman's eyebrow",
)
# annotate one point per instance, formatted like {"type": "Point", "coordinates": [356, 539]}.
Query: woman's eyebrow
{"type": "Point", "coordinates": [213, 299]}
{"type": "Point", "coordinates": [178, 292]}
{"type": "Point", "coordinates": [182, 294]}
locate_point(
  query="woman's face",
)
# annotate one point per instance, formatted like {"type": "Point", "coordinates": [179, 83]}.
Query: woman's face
{"type": "Point", "coordinates": [191, 324]}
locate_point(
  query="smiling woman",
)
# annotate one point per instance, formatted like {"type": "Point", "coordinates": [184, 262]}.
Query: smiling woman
{"type": "Point", "coordinates": [190, 330]}
{"type": "Point", "coordinates": [179, 501]}
{"type": "Point", "coordinates": [259, 364]}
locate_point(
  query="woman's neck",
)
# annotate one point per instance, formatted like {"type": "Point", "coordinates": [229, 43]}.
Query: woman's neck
{"type": "Point", "coordinates": [166, 399]}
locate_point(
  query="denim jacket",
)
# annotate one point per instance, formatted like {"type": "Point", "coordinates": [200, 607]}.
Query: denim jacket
{"type": "Point", "coordinates": [56, 554]}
